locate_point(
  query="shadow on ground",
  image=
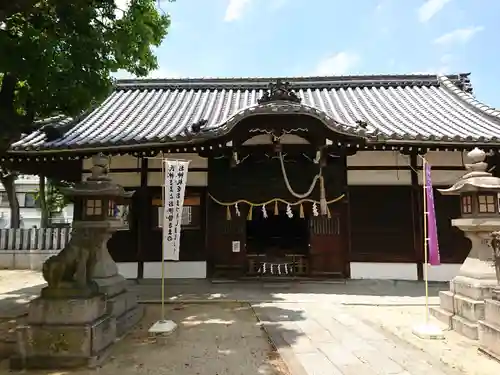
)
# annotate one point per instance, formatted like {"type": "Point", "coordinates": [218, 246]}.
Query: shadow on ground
{"type": "Point", "coordinates": [348, 292]}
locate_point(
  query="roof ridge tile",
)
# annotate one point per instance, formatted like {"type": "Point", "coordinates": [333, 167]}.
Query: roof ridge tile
{"type": "Point", "coordinates": [468, 98]}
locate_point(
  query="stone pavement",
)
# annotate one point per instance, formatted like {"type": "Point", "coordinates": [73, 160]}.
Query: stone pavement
{"type": "Point", "coordinates": [357, 327]}
{"type": "Point", "coordinates": [331, 341]}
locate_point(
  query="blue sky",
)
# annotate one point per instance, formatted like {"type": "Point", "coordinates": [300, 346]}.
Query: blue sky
{"type": "Point", "coordinates": [333, 37]}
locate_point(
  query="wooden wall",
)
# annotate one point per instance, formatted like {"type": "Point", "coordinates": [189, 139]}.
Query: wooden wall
{"type": "Point", "coordinates": [261, 180]}
{"type": "Point", "coordinates": [379, 221]}
{"type": "Point", "coordinates": [142, 242]}
{"type": "Point", "coordinates": [386, 200]}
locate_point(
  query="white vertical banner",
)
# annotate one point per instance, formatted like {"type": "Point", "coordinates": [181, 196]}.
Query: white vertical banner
{"type": "Point", "coordinates": [176, 172]}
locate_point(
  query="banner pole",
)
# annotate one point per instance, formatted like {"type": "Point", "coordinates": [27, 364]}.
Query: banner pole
{"type": "Point", "coordinates": [163, 239]}
{"type": "Point", "coordinates": [163, 327]}
{"type": "Point", "coordinates": [426, 330]}
{"type": "Point", "coordinates": [426, 244]}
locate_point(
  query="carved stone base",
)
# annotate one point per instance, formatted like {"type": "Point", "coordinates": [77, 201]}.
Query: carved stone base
{"type": "Point", "coordinates": [112, 285]}
{"type": "Point", "coordinates": [64, 334]}
{"type": "Point", "coordinates": [126, 310]}
{"type": "Point", "coordinates": [68, 291]}
{"type": "Point", "coordinates": [463, 306]}
{"type": "Point", "coordinates": [489, 329]}
{"type": "Point", "coordinates": [122, 305]}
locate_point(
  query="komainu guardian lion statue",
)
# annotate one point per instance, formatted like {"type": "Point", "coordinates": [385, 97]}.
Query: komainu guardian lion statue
{"type": "Point", "coordinates": [74, 265]}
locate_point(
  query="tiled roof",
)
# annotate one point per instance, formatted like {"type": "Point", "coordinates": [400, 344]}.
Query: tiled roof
{"type": "Point", "coordinates": [420, 108]}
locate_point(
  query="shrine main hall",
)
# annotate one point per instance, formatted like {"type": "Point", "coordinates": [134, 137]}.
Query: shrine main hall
{"type": "Point", "coordinates": [307, 177]}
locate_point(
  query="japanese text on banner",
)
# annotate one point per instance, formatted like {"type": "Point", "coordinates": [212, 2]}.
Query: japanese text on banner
{"type": "Point", "coordinates": [175, 187]}
{"type": "Point", "coordinates": [181, 177]}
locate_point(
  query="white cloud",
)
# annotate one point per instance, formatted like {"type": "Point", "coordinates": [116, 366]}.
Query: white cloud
{"type": "Point", "coordinates": [458, 35]}
{"type": "Point", "coordinates": [235, 9]}
{"type": "Point", "coordinates": [430, 8]}
{"type": "Point", "coordinates": [337, 64]}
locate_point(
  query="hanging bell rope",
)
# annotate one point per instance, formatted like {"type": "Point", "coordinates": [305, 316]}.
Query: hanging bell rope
{"type": "Point", "coordinates": [323, 205]}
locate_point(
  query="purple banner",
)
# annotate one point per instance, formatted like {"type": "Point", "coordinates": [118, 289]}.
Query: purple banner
{"type": "Point", "coordinates": [432, 245]}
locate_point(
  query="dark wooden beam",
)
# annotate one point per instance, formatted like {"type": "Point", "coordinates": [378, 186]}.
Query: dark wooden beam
{"type": "Point", "coordinates": [346, 222]}
{"type": "Point", "coordinates": [416, 208]}
{"type": "Point", "coordinates": [143, 208]}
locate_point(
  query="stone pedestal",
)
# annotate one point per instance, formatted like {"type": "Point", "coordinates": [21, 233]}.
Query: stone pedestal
{"type": "Point", "coordinates": [489, 326]}
{"type": "Point", "coordinates": [65, 333]}
{"type": "Point", "coordinates": [122, 304]}
{"type": "Point", "coordinates": [86, 305]}
{"type": "Point", "coordinates": [463, 306]}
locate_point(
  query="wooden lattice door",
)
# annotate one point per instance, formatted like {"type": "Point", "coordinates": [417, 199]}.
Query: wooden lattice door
{"type": "Point", "coordinates": [327, 255]}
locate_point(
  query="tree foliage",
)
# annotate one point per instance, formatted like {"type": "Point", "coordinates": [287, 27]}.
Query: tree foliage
{"type": "Point", "coordinates": [58, 57]}
{"type": "Point", "coordinates": [50, 199]}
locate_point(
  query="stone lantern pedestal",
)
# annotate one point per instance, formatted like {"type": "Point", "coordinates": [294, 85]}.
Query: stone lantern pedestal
{"type": "Point", "coordinates": [489, 326]}
{"type": "Point", "coordinates": [85, 306]}
{"type": "Point", "coordinates": [463, 306]}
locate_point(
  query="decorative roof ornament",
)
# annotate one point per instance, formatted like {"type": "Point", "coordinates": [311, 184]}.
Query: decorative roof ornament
{"type": "Point", "coordinates": [279, 91]}
{"type": "Point", "coordinates": [476, 179]}
{"type": "Point", "coordinates": [463, 83]}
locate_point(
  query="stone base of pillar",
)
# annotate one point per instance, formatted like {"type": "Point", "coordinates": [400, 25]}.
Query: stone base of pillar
{"type": "Point", "coordinates": [122, 304]}
{"type": "Point", "coordinates": [489, 328]}
{"type": "Point", "coordinates": [65, 333]}
{"type": "Point", "coordinates": [463, 306]}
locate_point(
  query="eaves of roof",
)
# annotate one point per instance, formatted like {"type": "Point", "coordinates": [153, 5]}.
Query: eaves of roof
{"type": "Point", "coordinates": [416, 109]}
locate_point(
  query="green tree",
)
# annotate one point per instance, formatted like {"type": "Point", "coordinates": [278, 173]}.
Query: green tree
{"type": "Point", "coordinates": [50, 199]}
{"type": "Point", "coordinates": [58, 58]}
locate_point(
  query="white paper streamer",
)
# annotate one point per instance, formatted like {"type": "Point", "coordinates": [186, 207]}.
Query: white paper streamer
{"type": "Point", "coordinates": [315, 209]}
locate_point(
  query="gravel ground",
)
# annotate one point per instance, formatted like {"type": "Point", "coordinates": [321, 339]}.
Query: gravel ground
{"type": "Point", "coordinates": [455, 350]}
{"type": "Point", "coordinates": [212, 339]}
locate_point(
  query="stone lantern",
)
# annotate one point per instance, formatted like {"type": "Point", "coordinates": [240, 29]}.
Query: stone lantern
{"type": "Point", "coordinates": [85, 306]}
{"type": "Point", "coordinates": [463, 306]}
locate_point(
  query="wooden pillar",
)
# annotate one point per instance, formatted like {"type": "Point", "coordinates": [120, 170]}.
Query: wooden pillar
{"type": "Point", "coordinates": [143, 210]}
{"type": "Point", "coordinates": [417, 214]}
{"type": "Point", "coordinates": [346, 222]}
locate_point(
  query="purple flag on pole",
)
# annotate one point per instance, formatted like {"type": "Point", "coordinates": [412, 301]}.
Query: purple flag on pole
{"type": "Point", "coordinates": [433, 245]}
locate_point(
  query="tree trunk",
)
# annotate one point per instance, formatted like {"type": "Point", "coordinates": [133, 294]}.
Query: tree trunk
{"type": "Point", "coordinates": [42, 198]}
{"type": "Point", "coordinates": [9, 183]}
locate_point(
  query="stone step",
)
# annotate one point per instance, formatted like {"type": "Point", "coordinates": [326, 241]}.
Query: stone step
{"type": "Point", "coordinates": [442, 315]}
{"type": "Point", "coordinates": [464, 327]}
{"type": "Point", "coordinates": [489, 338]}
{"type": "Point", "coordinates": [468, 308]}
{"type": "Point", "coordinates": [129, 319]}
{"type": "Point", "coordinates": [446, 300]}
{"type": "Point", "coordinates": [471, 289]}
{"type": "Point", "coordinates": [492, 312]}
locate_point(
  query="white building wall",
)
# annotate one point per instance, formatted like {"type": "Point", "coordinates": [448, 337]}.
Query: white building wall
{"type": "Point", "coordinates": [30, 216]}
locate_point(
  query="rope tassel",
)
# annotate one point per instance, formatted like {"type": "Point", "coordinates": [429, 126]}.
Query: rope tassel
{"type": "Point", "coordinates": [250, 210]}
{"type": "Point", "coordinates": [323, 206]}
{"type": "Point", "coordinates": [276, 211]}
{"type": "Point", "coordinates": [301, 211]}
{"type": "Point", "coordinates": [228, 213]}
